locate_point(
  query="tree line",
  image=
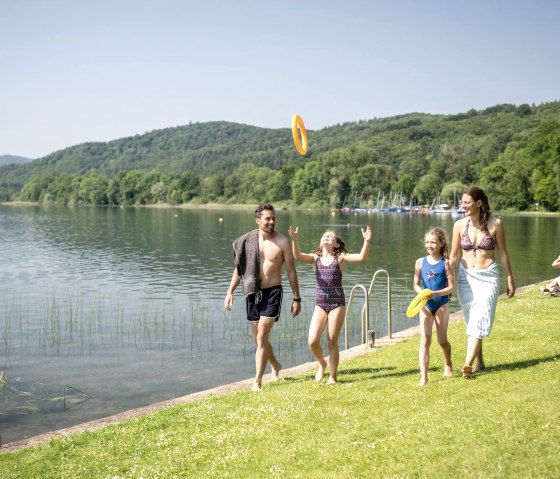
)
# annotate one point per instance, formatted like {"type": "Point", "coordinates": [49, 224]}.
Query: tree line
{"type": "Point", "coordinates": [513, 152]}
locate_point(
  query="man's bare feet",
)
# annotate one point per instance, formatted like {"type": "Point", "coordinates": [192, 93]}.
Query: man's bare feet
{"type": "Point", "coordinates": [467, 371]}
{"type": "Point", "coordinates": [331, 381]}
{"type": "Point", "coordinates": [423, 382]}
{"type": "Point", "coordinates": [276, 371]}
{"type": "Point", "coordinates": [320, 372]}
{"type": "Point", "coordinates": [448, 371]}
{"type": "Point", "coordinates": [257, 387]}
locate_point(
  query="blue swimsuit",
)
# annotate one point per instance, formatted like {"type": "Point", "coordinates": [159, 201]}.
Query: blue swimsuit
{"type": "Point", "coordinates": [434, 278]}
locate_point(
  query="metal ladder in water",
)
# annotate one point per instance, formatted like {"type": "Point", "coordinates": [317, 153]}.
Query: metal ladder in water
{"type": "Point", "coordinates": [365, 309]}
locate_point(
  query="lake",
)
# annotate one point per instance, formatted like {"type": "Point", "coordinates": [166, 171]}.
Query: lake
{"type": "Point", "coordinates": [108, 309]}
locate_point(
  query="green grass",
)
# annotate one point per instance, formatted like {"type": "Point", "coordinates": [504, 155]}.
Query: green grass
{"type": "Point", "coordinates": [503, 423]}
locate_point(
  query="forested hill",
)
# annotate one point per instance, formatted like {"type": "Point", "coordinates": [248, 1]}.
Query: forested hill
{"type": "Point", "coordinates": [13, 160]}
{"type": "Point", "coordinates": [204, 148]}
{"type": "Point", "coordinates": [214, 147]}
{"type": "Point", "coordinates": [415, 154]}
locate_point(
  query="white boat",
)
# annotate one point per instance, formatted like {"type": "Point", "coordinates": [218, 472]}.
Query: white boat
{"type": "Point", "coordinates": [443, 208]}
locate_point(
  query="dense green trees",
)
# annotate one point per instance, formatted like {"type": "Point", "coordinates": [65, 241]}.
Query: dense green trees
{"type": "Point", "coordinates": [511, 151]}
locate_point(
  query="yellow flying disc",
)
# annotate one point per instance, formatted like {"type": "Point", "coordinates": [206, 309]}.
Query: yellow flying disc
{"type": "Point", "coordinates": [418, 303]}
{"type": "Point", "coordinates": [299, 128]}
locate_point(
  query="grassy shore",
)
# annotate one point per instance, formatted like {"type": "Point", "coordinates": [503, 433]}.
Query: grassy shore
{"type": "Point", "coordinates": [503, 423]}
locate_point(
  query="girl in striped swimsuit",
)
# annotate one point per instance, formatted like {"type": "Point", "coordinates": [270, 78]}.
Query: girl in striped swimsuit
{"type": "Point", "coordinates": [328, 260]}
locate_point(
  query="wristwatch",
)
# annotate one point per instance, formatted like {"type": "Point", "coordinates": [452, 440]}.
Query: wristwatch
{"type": "Point", "coordinates": [297, 300]}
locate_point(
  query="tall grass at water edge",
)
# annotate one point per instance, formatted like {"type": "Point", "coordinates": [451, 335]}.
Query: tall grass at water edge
{"type": "Point", "coordinates": [503, 423]}
{"type": "Point", "coordinates": [80, 322]}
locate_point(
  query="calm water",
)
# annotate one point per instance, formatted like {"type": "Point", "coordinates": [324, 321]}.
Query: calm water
{"type": "Point", "coordinates": [124, 307]}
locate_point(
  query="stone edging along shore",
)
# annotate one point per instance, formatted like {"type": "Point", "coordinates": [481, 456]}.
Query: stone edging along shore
{"type": "Point", "coordinates": [220, 390]}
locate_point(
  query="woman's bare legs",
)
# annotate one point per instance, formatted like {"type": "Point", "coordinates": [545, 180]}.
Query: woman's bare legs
{"type": "Point", "coordinates": [479, 361]}
{"type": "Point", "coordinates": [474, 346]}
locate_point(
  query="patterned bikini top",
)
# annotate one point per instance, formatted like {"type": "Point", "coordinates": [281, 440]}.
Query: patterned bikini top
{"type": "Point", "coordinates": [486, 243]}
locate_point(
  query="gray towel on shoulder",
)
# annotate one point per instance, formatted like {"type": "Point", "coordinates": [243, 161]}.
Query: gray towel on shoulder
{"type": "Point", "coordinates": [246, 257]}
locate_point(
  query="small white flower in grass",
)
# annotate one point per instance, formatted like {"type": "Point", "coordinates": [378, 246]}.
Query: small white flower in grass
{"type": "Point", "coordinates": [275, 470]}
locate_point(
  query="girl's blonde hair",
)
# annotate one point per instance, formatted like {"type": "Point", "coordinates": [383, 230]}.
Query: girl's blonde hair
{"type": "Point", "coordinates": [341, 248]}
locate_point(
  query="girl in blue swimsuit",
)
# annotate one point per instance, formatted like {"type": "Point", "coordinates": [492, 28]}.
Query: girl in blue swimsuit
{"type": "Point", "coordinates": [328, 260]}
{"type": "Point", "coordinates": [433, 272]}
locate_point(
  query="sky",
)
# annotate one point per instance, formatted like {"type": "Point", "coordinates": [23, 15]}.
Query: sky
{"type": "Point", "coordinates": [74, 71]}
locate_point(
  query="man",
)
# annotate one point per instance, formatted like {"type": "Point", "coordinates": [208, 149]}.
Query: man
{"type": "Point", "coordinates": [259, 256]}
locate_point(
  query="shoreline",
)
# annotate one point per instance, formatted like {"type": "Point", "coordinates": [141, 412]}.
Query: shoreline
{"type": "Point", "coordinates": [243, 385]}
{"type": "Point", "coordinates": [241, 206]}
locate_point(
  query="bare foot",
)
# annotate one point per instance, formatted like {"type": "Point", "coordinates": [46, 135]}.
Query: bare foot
{"type": "Point", "coordinates": [276, 371]}
{"type": "Point", "coordinates": [478, 367]}
{"type": "Point", "coordinates": [257, 387]}
{"type": "Point", "coordinates": [448, 371]}
{"type": "Point", "coordinates": [423, 382]}
{"type": "Point", "coordinates": [331, 381]}
{"type": "Point", "coordinates": [320, 372]}
{"type": "Point", "coordinates": [467, 371]}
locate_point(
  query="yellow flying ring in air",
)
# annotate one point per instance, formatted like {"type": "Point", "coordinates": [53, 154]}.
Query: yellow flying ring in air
{"type": "Point", "coordinates": [297, 124]}
{"type": "Point", "coordinates": [418, 303]}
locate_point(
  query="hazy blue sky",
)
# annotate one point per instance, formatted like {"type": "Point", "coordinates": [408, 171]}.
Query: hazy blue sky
{"type": "Point", "coordinates": [78, 70]}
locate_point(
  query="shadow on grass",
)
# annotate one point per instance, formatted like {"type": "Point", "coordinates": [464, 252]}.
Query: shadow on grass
{"type": "Point", "coordinates": [368, 374]}
{"type": "Point", "coordinates": [371, 373]}
{"type": "Point", "coordinates": [528, 363]}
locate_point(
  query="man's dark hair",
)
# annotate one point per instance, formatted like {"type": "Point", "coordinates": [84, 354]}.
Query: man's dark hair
{"type": "Point", "coordinates": [261, 208]}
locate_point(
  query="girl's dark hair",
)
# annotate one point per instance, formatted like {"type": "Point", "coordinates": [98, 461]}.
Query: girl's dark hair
{"type": "Point", "coordinates": [478, 195]}
{"type": "Point", "coordinates": [341, 248]}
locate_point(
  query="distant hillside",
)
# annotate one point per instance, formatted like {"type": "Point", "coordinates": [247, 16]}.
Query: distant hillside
{"type": "Point", "coordinates": [13, 160]}
{"type": "Point", "coordinates": [417, 154]}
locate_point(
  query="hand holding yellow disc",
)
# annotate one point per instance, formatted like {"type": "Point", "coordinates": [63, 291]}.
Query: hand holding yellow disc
{"type": "Point", "coordinates": [418, 303]}
{"type": "Point", "coordinates": [297, 124]}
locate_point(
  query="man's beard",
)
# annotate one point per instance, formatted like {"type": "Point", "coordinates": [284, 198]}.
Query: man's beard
{"type": "Point", "coordinates": [268, 228]}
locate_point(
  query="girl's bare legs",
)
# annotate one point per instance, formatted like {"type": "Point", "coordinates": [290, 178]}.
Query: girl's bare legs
{"type": "Point", "coordinates": [316, 328]}
{"type": "Point", "coordinates": [426, 324]}
{"type": "Point", "coordinates": [336, 320]}
{"type": "Point", "coordinates": [442, 322]}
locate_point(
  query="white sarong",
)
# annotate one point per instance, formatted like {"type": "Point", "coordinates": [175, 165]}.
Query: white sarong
{"type": "Point", "coordinates": [477, 290]}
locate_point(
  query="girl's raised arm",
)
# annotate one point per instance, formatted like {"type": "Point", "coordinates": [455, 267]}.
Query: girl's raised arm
{"type": "Point", "coordinates": [298, 255]}
{"type": "Point", "coordinates": [363, 254]}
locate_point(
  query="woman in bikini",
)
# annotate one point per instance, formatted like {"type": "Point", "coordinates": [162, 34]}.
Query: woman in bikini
{"type": "Point", "coordinates": [328, 261]}
{"type": "Point", "coordinates": [476, 238]}
{"type": "Point", "coordinates": [435, 273]}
